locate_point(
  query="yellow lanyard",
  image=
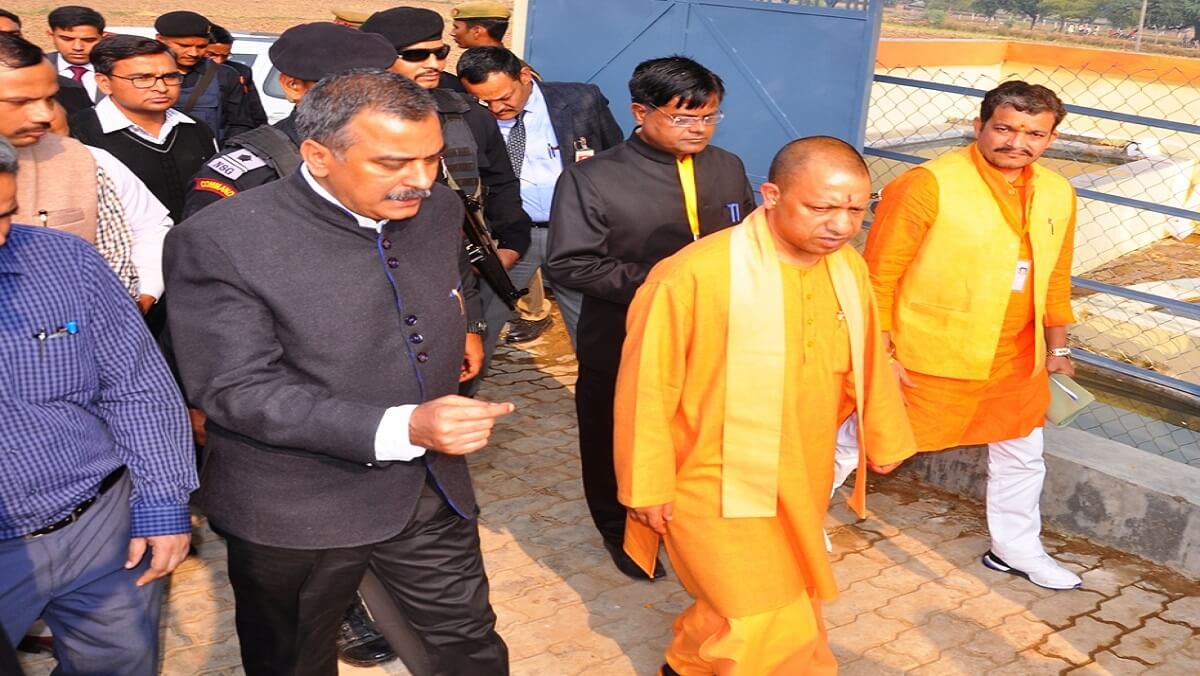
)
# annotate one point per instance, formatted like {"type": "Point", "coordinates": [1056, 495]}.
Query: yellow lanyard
{"type": "Point", "coordinates": [687, 179]}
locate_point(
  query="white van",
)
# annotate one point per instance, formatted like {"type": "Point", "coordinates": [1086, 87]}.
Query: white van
{"type": "Point", "coordinates": [250, 49]}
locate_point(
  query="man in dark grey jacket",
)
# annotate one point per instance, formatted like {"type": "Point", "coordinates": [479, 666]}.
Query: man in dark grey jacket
{"type": "Point", "coordinates": [319, 321]}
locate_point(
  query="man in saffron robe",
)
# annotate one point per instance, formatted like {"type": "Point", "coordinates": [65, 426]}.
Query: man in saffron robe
{"type": "Point", "coordinates": [726, 414]}
{"type": "Point", "coordinates": [970, 256]}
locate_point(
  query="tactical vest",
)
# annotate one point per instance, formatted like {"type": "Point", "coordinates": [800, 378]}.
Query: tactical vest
{"type": "Point", "coordinates": [273, 146]}
{"type": "Point", "coordinates": [208, 107]}
{"type": "Point", "coordinates": [461, 153]}
{"type": "Point", "coordinates": [56, 186]}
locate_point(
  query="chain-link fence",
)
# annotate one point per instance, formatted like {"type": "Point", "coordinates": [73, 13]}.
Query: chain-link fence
{"type": "Point", "coordinates": [1131, 146]}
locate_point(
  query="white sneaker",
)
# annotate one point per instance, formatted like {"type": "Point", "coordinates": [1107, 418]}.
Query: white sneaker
{"type": "Point", "coordinates": [1040, 570]}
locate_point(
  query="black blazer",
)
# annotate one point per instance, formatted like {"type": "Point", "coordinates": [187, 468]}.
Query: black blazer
{"type": "Point", "coordinates": [579, 110]}
{"type": "Point", "coordinates": [294, 329]}
{"type": "Point", "coordinates": [616, 215]}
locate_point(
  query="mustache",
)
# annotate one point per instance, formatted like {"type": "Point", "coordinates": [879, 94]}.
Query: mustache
{"type": "Point", "coordinates": [40, 126]}
{"type": "Point", "coordinates": [1007, 149]}
{"type": "Point", "coordinates": [405, 195]}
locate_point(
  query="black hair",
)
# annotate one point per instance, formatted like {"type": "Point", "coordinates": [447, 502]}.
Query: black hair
{"type": "Point", "coordinates": [478, 63]}
{"type": "Point", "coordinates": [70, 16]}
{"type": "Point", "coordinates": [220, 35]}
{"type": "Point", "coordinates": [1024, 98]}
{"type": "Point", "coordinates": [114, 48]}
{"type": "Point", "coordinates": [327, 109]}
{"type": "Point", "coordinates": [495, 28]}
{"type": "Point", "coordinates": [657, 82]}
{"type": "Point", "coordinates": [17, 52]}
{"type": "Point", "coordinates": [4, 13]}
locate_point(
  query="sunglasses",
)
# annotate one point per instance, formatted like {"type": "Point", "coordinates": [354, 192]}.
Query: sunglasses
{"type": "Point", "coordinates": [419, 55]}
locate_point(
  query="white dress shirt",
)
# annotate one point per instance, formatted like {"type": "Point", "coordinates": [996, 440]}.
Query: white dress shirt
{"type": "Point", "coordinates": [543, 162]}
{"type": "Point", "coordinates": [89, 76]}
{"type": "Point", "coordinates": [148, 221]}
{"type": "Point", "coordinates": [113, 120]}
{"type": "Point", "coordinates": [391, 437]}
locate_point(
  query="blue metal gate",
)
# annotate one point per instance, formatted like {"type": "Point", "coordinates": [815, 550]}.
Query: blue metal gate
{"type": "Point", "coordinates": [791, 69]}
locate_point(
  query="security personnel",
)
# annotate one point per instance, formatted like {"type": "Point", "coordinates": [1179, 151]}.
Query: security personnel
{"type": "Point", "coordinates": [351, 18]}
{"type": "Point", "coordinates": [303, 54]}
{"type": "Point", "coordinates": [475, 155]}
{"type": "Point", "coordinates": [211, 93]}
{"type": "Point", "coordinates": [219, 51]}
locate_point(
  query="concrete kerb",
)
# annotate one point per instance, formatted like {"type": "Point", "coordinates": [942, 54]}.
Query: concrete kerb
{"type": "Point", "coordinates": [1110, 493]}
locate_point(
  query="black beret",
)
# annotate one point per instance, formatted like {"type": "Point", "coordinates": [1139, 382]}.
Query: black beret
{"type": "Point", "coordinates": [182, 24]}
{"type": "Point", "coordinates": [404, 26]}
{"type": "Point", "coordinates": [311, 51]}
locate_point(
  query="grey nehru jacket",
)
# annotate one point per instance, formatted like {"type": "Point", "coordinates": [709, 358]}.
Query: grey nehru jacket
{"type": "Point", "coordinates": [295, 329]}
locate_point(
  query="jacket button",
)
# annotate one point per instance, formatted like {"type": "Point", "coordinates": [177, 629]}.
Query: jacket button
{"type": "Point", "coordinates": [410, 320]}
{"type": "Point", "coordinates": [386, 244]}
{"type": "Point", "coordinates": [393, 263]}
{"type": "Point", "coordinates": [416, 338]}
{"type": "Point", "coordinates": [422, 357]}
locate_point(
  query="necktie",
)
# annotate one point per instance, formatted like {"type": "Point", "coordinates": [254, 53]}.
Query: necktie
{"type": "Point", "coordinates": [77, 72]}
{"type": "Point", "coordinates": [516, 144]}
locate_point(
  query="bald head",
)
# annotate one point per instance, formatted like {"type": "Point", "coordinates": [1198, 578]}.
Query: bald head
{"type": "Point", "coordinates": [825, 152]}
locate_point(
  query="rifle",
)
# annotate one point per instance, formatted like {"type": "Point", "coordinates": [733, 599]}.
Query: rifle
{"type": "Point", "coordinates": [481, 250]}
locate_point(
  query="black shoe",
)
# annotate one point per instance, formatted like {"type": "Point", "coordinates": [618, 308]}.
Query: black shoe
{"type": "Point", "coordinates": [627, 565]}
{"type": "Point", "coordinates": [525, 330]}
{"type": "Point", "coordinates": [358, 643]}
{"type": "Point", "coordinates": [668, 671]}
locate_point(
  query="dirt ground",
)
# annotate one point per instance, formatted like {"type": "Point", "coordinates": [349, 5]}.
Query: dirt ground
{"type": "Point", "coordinates": [236, 15]}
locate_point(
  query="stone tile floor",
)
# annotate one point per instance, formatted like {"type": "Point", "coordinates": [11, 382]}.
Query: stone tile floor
{"type": "Point", "coordinates": [915, 598]}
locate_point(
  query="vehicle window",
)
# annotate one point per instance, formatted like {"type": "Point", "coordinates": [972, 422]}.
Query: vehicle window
{"type": "Point", "coordinates": [245, 59]}
{"type": "Point", "coordinates": [271, 86]}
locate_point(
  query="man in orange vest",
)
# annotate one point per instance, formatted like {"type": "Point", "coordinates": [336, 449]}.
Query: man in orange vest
{"type": "Point", "coordinates": [970, 257]}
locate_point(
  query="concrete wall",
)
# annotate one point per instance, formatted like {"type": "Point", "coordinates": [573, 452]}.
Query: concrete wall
{"type": "Point", "coordinates": [1107, 492]}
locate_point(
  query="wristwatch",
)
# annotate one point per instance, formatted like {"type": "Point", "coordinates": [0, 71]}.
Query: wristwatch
{"type": "Point", "coordinates": [1058, 352]}
{"type": "Point", "coordinates": [477, 326]}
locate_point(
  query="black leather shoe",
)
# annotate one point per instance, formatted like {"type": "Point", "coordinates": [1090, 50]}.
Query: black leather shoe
{"type": "Point", "coordinates": [627, 565]}
{"type": "Point", "coordinates": [358, 643]}
{"type": "Point", "coordinates": [668, 671]}
{"type": "Point", "coordinates": [525, 330]}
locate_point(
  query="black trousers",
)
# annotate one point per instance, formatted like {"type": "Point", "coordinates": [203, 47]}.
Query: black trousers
{"type": "Point", "coordinates": [595, 391]}
{"type": "Point", "coordinates": [291, 601]}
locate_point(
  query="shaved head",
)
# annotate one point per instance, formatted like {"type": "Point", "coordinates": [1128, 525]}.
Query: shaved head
{"type": "Point", "coordinates": [825, 152]}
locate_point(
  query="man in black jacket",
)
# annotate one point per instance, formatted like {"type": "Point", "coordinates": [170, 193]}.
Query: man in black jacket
{"type": "Point", "coordinates": [613, 218]}
{"type": "Point", "coordinates": [211, 92]}
{"type": "Point", "coordinates": [548, 126]}
{"type": "Point", "coordinates": [476, 156]}
{"type": "Point", "coordinates": [335, 442]}
{"type": "Point", "coordinates": [220, 46]}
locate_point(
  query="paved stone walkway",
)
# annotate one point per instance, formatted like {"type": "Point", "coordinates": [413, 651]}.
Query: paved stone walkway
{"type": "Point", "coordinates": [914, 597]}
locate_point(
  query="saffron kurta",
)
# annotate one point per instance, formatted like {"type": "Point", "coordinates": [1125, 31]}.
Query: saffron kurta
{"type": "Point", "coordinates": [669, 422]}
{"type": "Point", "coordinates": [1012, 400]}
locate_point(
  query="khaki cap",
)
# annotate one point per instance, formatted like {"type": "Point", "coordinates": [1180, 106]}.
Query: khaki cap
{"type": "Point", "coordinates": [350, 16]}
{"type": "Point", "coordinates": [480, 10]}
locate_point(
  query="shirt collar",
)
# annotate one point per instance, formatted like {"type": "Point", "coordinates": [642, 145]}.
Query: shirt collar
{"type": "Point", "coordinates": [112, 119]}
{"type": "Point", "coordinates": [64, 65]}
{"type": "Point", "coordinates": [362, 221]}
{"type": "Point", "coordinates": [650, 152]}
{"type": "Point", "coordinates": [10, 262]}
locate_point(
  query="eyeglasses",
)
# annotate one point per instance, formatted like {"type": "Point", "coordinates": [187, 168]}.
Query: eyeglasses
{"type": "Point", "coordinates": [148, 81]}
{"type": "Point", "coordinates": [419, 55]}
{"type": "Point", "coordinates": [710, 120]}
